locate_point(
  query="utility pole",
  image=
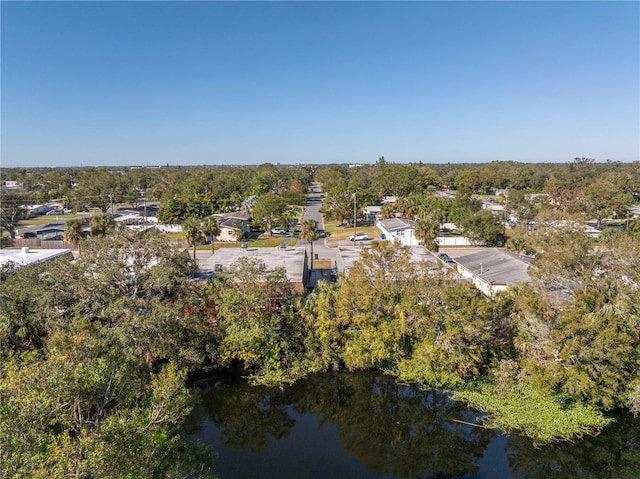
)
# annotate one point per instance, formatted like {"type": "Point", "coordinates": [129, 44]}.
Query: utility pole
{"type": "Point", "coordinates": [355, 220]}
{"type": "Point", "coordinates": [144, 200]}
{"type": "Point", "coordinates": [111, 202]}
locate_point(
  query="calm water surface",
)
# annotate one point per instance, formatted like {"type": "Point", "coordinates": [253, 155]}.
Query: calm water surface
{"type": "Point", "coordinates": [363, 425]}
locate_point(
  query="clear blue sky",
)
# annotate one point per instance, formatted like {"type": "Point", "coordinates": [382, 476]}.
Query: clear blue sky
{"type": "Point", "coordinates": [125, 83]}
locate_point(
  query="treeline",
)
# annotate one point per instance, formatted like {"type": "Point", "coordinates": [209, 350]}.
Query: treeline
{"type": "Point", "coordinates": [581, 188]}
{"type": "Point", "coordinates": [96, 354]}
{"type": "Point", "coordinates": [228, 186]}
{"type": "Point", "coordinates": [528, 194]}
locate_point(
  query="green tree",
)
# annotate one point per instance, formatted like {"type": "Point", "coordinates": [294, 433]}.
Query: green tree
{"type": "Point", "coordinates": [12, 210]}
{"type": "Point", "coordinates": [173, 211]}
{"type": "Point", "coordinates": [101, 188]}
{"type": "Point", "coordinates": [211, 228]}
{"type": "Point", "coordinates": [192, 233]}
{"type": "Point", "coordinates": [251, 303]}
{"type": "Point", "coordinates": [426, 231]}
{"type": "Point", "coordinates": [310, 234]}
{"type": "Point", "coordinates": [599, 345]}
{"type": "Point", "coordinates": [74, 231]}
{"type": "Point", "coordinates": [604, 199]}
{"type": "Point", "coordinates": [338, 205]}
{"type": "Point", "coordinates": [566, 259]}
{"type": "Point", "coordinates": [484, 226]}
{"type": "Point", "coordinates": [268, 208]}
{"type": "Point", "coordinates": [102, 225]}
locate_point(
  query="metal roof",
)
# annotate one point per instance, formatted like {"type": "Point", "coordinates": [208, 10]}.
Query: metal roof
{"type": "Point", "coordinates": [292, 259]}
{"type": "Point", "coordinates": [496, 267]}
{"type": "Point", "coordinates": [396, 224]}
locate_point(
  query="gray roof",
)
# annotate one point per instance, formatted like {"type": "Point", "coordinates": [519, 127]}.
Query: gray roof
{"type": "Point", "coordinates": [292, 259]}
{"type": "Point", "coordinates": [233, 221]}
{"type": "Point", "coordinates": [396, 224]}
{"type": "Point", "coordinates": [350, 254]}
{"type": "Point", "coordinates": [53, 226]}
{"type": "Point", "coordinates": [496, 267]}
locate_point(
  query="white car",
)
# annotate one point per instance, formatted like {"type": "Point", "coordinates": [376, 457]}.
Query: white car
{"type": "Point", "coordinates": [279, 231]}
{"type": "Point", "coordinates": [359, 237]}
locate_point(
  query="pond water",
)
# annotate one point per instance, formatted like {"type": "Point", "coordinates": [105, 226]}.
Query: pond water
{"type": "Point", "coordinates": [366, 426]}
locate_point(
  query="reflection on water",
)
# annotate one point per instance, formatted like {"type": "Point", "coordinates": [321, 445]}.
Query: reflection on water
{"type": "Point", "coordinates": [363, 425]}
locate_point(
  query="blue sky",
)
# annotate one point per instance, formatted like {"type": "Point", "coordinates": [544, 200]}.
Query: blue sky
{"type": "Point", "coordinates": [126, 83]}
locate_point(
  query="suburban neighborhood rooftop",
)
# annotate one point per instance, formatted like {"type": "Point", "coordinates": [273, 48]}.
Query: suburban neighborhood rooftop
{"type": "Point", "coordinates": [26, 256]}
{"type": "Point", "coordinates": [496, 267]}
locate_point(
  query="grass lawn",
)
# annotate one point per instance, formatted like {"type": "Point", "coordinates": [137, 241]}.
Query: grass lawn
{"type": "Point", "coordinates": [322, 264]}
{"type": "Point", "coordinates": [338, 232]}
{"type": "Point", "coordinates": [44, 219]}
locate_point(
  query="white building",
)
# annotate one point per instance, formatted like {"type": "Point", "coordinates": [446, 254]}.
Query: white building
{"type": "Point", "coordinates": [25, 256]}
{"type": "Point", "coordinates": [398, 229]}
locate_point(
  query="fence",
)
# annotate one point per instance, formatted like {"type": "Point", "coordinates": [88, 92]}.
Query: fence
{"type": "Point", "coordinates": [44, 244]}
{"type": "Point", "coordinates": [457, 241]}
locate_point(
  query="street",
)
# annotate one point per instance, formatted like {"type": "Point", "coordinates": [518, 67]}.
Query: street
{"type": "Point", "coordinates": [312, 211]}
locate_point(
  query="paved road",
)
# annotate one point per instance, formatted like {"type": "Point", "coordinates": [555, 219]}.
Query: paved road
{"type": "Point", "coordinates": [312, 211]}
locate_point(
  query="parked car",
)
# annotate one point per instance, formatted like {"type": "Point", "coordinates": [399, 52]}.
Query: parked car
{"type": "Point", "coordinates": [67, 211]}
{"type": "Point", "coordinates": [446, 258]}
{"type": "Point", "coordinates": [55, 212]}
{"type": "Point", "coordinates": [359, 237]}
{"type": "Point", "coordinates": [279, 231]}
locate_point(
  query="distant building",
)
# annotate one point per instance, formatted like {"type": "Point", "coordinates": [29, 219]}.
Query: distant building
{"type": "Point", "coordinates": [493, 270]}
{"type": "Point", "coordinates": [492, 206]}
{"type": "Point", "coordinates": [372, 213]}
{"type": "Point", "coordinates": [49, 231]}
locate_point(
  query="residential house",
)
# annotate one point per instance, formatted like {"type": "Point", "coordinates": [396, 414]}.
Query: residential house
{"type": "Point", "coordinates": [398, 229]}
{"type": "Point", "coordinates": [492, 270]}
{"type": "Point", "coordinates": [233, 226]}
{"type": "Point", "coordinates": [50, 231]}
{"type": "Point", "coordinates": [372, 213]}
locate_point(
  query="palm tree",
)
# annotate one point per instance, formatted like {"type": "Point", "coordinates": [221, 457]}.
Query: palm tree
{"type": "Point", "coordinates": [310, 233]}
{"type": "Point", "coordinates": [192, 232]}
{"type": "Point", "coordinates": [73, 231]}
{"type": "Point", "coordinates": [388, 210]}
{"type": "Point", "coordinates": [426, 230]}
{"type": "Point", "coordinates": [102, 225]}
{"type": "Point", "coordinates": [210, 227]}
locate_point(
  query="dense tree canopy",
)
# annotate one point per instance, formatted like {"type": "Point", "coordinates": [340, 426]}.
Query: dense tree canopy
{"type": "Point", "coordinates": [95, 354]}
